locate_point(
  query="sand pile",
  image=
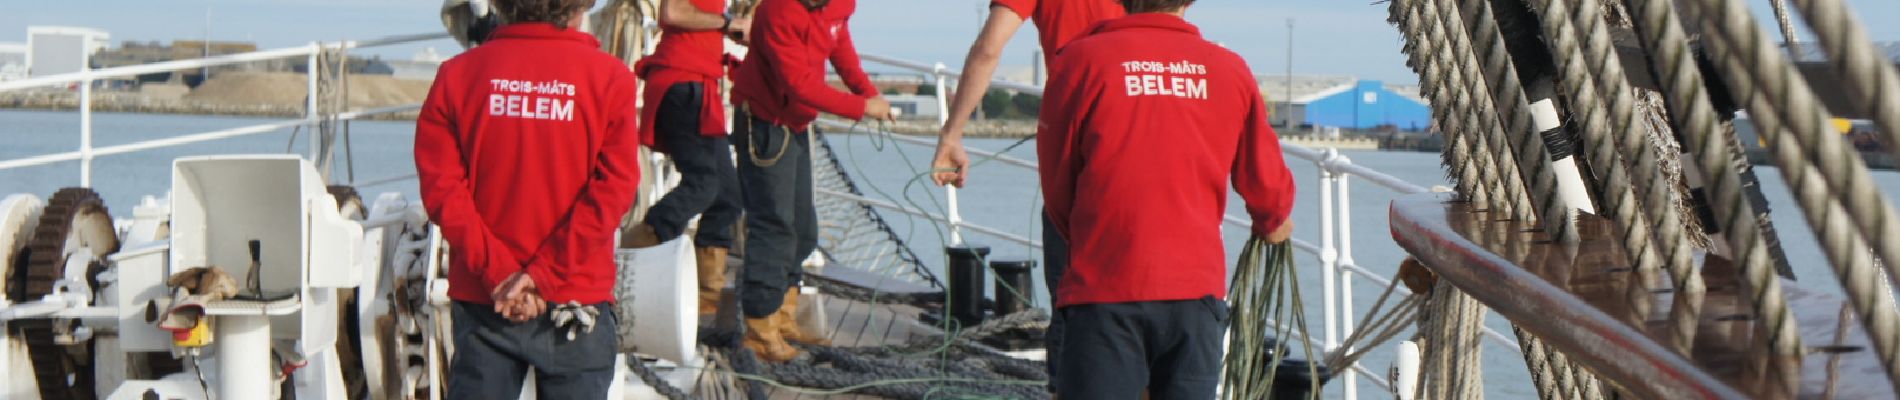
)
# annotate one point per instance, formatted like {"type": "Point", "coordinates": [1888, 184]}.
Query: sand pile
{"type": "Point", "coordinates": [289, 89]}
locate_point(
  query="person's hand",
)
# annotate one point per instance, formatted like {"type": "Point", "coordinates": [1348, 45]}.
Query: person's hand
{"type": "Point", "coordinates": [528, 306]}
{"type": "Point", "coordinates": [740, 30]}
{"type": "Point", "coordinates": [952, 163]}
{"type": "Point", "coordinates": [1281, 234]}
{"type": "Point", "coordinates": [879, 109]}
{"type": "Point", "coordinates": [517, 298]}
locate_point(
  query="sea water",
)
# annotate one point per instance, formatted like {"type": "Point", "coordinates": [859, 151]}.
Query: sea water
{"type": "Point", "coordinates": [998, 196]}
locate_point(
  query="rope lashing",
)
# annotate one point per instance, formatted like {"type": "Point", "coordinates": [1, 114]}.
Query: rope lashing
{"type": "Point", "coordinates": [575, 318]}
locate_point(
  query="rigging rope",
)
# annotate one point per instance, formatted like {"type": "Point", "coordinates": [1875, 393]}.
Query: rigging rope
{"type": "Point", "coordinates": [1867, 75]}
{"type": "Point", "coordinates": [1658, 208]}
{"type": "Point", "coordinates": [1452, 336]}
{"type": "Point", "coordinates": [1509, 107]}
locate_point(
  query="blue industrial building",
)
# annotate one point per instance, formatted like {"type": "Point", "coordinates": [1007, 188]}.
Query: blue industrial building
{"type": "Point", "coordinates": [1364, 104]}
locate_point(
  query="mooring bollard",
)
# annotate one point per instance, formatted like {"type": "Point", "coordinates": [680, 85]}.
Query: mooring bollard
{"type": "Point", "coordinates": [1012, 285]}
{"type": "Point", "coordinates": [966, 283]}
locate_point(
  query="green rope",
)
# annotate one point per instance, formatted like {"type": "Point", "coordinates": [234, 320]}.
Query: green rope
{"type": "Point", "coordinates": [1265, 289]}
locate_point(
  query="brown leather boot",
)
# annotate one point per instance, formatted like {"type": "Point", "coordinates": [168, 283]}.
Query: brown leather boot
{"type": "Point", "coordinates": [788, 322]}
{"type": "Point", "coordinates": [712, 277]}
{"type": "Point", "coordinates": [762, 336]}
{"type": "Point", "coordinates": [640, 236]}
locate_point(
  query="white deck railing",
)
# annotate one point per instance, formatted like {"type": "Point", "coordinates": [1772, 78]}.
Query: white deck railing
{"type": "Point", "coordinates": [85, 79]}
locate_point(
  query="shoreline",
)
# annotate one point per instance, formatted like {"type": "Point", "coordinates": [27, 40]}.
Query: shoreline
{"type": "Point", "coordinates": [139, 104]}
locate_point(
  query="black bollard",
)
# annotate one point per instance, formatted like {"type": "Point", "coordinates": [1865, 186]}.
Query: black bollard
{"type": "Point", "coordinates": [1012, 285]}
{"type": "Point", "coordinates": [1293, 379]}
{"type": "Point", "coordinates": [966, 283]}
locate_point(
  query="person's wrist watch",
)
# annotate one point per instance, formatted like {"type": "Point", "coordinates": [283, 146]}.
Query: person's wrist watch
{"type": "Point", "coordinates": [728, 26]}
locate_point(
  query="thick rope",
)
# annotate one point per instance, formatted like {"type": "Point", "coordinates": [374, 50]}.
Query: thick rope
{"type": "Point", "coordinates": [1788, 94]}
{"type": "Point", "coordinates": [1866, 290]}
{"type": "Point", "coordinates": [1659, 205]}
{"type": "Point", "coordinates": [1454, 331]}
{"type": "Point", "coordinates": [1777, 88]}
{"type": "Point", "coordinates": [1865, 72]}
{"type": "Point", "coordinates": [1456, 156]}
{"type": "Point", "coordinates": [1510, 106]}
{"type": "Point", "coordinates": [1451, 99]}
{"type": "Point", "coordinates": [1489, 142]}
{"type": "Point", "coordinates": [1543, 376]}
{"type": "Point", "coordinates": [1661, 31]}
{"type": "Point", "coordinates": [1484, 31]}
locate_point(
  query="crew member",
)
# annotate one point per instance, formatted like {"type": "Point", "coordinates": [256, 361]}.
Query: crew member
{"type": "Point", "coordinates": [1144, 126]}
{"type": "Point", "coordinates": [780, 89]}
{"type": "Point", "coordinates": [686, 120]}
{"type": "Point", "coordinates": [527, 153]}
{"type": "Point", "coordinates": [1058, 22]}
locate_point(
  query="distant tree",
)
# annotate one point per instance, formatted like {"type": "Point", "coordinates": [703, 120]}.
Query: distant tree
{"type": "Point", "coordinates": [1027, 104]}
{"type": "Point", "coordinates": [996, 103]}
{"type": "Point", "coordinates": [927, 89]}
{"type": "Point", "coordinates": [891, 92]}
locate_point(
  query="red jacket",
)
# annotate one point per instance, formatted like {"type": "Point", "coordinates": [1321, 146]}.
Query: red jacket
{"type": "Point", "coordinates": [685, 56]}
{"type": "Point", "coordinates": [783, 78]}
{"type": "Point", "coordinates": [528, 164]}
{"type": "Point", "coordinates": [1060, 21]}
{"type": "Point", "coordinates": [1144, 125]}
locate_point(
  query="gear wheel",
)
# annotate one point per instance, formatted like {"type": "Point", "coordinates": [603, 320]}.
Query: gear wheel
{"type": "Point", "coordinates": [74, 223]}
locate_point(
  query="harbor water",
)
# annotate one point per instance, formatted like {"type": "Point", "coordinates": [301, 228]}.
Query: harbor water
{"type": "Point", "coordinates": [999, 196]}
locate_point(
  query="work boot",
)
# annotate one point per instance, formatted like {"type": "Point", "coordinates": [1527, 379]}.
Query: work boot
{"type": "Point", "coordinates": [640, 236]}
{"type": "Point", "coordinates": [712, 277]}
{"type": "Point", "coordinates": [788, 322]}
{"type": "Point", "coordinates": [762, 336]}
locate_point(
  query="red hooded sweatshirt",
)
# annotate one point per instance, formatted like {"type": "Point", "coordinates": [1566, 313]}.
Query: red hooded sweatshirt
{"type": "Point", "coordinates": [1144, 125]}
{"type": "Point", "coordinates": [783, 78]}
{"type": "Point", "coordinates": [685, 56]}
{"type": "Point", "coordinates": [528, 164]}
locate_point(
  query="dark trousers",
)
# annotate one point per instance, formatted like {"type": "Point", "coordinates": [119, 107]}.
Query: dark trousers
{"type": "Point", "coordinates": [492, 356]}
{"type": "Point", "coordinates": [709, 186]}
{"type": "Point", "coordinates": [1171, 349]}
{"type": "Point", "coordinates": [781, 225]}
{"type": "Point", "coordinates": [1055, 261]}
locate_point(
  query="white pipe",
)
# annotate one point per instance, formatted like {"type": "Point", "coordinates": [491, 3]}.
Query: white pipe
{"type": "Point", "coordinates": [310, 102]}
{"type": "Point", "coordinates": [1346, 316]}
{"type": "Point", "coordinates": [949, 191]}
{"type": "Point", "coordinates": [1328, 255]}
{"type": "Point", "coordinates": [243, 346]}
{"type": "Point", "coordinates": [85, 134]}
{"type": "Point", "coordinates": [1569, 180]}
{"type": "Point", "coordinates": [1405, 371]}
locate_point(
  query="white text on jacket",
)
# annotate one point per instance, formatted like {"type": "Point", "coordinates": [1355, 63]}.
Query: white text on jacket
{"type": "Point", "coordinates": [531, 100]}
{"type": "Point", "coordinates": [1177, 79]}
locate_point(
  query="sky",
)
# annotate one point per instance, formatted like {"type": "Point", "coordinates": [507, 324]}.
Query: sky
{"type": "Point", "coordinates": [1330, 37]}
